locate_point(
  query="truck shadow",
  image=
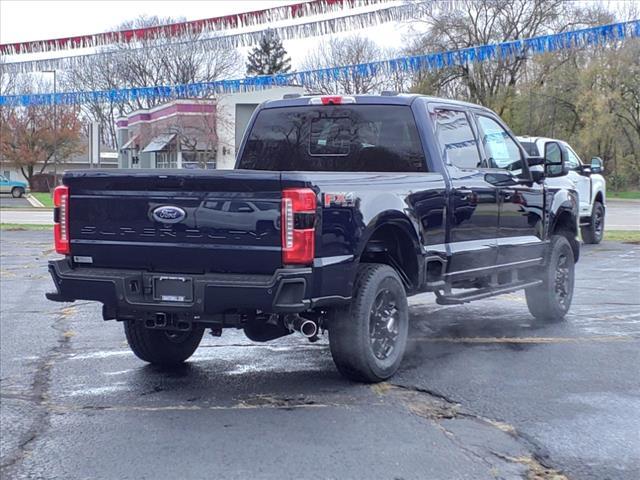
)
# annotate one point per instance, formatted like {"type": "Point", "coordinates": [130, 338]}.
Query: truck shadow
{"type": "Point", "coordinates": [437, 332]}
{"type": "Point", "coordinates": [293, 371]}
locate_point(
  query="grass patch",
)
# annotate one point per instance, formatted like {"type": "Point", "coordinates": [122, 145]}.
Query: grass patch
{"type": "Point", "coordinates": [624, 236]}
{"type": "Point", "coordinates": [44, 198]}
{"type": "Point", "coordinates": [626, 195]}
{"type": "Point", "coordinates": [23, 226]}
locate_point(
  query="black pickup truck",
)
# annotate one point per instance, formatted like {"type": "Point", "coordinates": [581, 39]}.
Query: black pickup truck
{"type": "Point", "coordinates": [338, 209]}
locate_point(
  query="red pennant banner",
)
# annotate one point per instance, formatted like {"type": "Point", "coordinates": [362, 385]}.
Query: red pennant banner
{"type": "Point", "coordinates": [239, 20]}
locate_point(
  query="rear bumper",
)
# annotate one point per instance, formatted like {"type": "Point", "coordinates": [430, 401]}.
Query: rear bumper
{"type": "Point", "coordinates": [129, 293]}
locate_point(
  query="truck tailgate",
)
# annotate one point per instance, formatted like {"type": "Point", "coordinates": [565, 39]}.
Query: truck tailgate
{"type": "Point", "coordinates": [176, 220]}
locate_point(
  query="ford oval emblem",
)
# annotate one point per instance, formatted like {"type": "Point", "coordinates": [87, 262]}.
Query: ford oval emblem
{"type": "Point", "coordinates": [168, 214]}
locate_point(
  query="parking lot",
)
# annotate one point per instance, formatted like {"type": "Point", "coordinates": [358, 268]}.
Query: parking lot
{"type": "Point", "coordinates": [7, 201]}
{"type": "Point", "coordinates": [623, 215]}
{"type": "Point", "coordinates": [482, 393]}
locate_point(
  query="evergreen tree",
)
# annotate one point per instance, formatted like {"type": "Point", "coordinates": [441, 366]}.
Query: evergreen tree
{"type": "Point", "coordinates": [269, 57]}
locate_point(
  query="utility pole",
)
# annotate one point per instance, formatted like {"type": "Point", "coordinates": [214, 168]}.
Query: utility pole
{"type": "Point", "coordinates": [94, 145]}
{"type": "Point", "coordinates": [55, 129]}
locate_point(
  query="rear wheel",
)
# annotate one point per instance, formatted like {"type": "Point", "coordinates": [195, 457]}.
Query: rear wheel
{"type": "Point", "coordinates": [594, 232]}
{"type": "Point", "coordinates": [17, 192]}
{"type": "Point", "coordinates": [161, 347]}
{"type": "Point", "coordinates": [368, 339]}
{"type": "Point", "coordinates": [551, 301]}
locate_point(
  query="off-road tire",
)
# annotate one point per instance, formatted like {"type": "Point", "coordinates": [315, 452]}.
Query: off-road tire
{"type": "Point", "coordinates": [17, 192]}
{"type": "Point", "coordinates": [594, 232]}
{"type": "Point", "coordinates": [161, 347]}
{"type": "Point", "coordinates": [551, 301]}
{"type": "Point", "coordinates": [351, 331]}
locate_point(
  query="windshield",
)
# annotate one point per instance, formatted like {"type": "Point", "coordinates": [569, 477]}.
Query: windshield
{"type": "Point", "coordinates": [354, 138]}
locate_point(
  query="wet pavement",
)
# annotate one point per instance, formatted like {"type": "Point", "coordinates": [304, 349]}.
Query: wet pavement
{"type": "Point", "coordinates": [622, 215]}
{"type": "Point", "coordinates": [7, 201]}
{"type": "Point", "coordinates": [483, 391]}
{"type": "Point", "coordinates": [27, 216]}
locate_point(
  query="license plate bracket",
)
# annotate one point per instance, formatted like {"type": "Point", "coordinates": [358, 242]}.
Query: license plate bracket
{"type": "Point", "coordinates": [173, 289]}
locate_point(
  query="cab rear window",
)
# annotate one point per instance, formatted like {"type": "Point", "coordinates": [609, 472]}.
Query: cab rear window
{"type": "Point", "coordinates": [531, 149]}
{"type": "Point", "coordinates": [354, 138]}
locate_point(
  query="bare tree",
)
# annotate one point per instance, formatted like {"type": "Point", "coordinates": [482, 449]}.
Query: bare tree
{"type": "Point", "coordinates": [8, 81]}
{"type": "Point", "coordinates": [155, 61]}
{"type": "Point", "coordinates": [469, 23]}
{"type": "Point", "coordinates": [340, 52]}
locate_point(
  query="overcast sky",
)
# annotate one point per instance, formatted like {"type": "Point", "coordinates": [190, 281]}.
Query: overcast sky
{"type": "Point", "coordinates": [22, 20]}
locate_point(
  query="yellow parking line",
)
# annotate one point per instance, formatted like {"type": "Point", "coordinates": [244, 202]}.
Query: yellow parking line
{"type": "Point", "coordinates": [621, 338]}
{"type": "Point", "coordinates": [63, 408]}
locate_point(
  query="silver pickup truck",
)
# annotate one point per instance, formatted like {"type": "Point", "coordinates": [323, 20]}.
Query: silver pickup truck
{"type": "Point", "coordinates": [585, 179]}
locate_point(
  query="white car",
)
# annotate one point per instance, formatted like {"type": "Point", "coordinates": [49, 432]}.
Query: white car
{"type": "Point", "coordinates": [585, 179]}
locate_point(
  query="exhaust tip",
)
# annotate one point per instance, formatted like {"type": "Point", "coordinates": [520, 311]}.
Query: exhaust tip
{"type": "Point", "coordinates": [309, 328]}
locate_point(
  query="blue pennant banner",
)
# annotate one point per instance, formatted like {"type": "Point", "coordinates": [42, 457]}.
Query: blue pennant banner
{"type": "Point", "coordinates": [587, 37]}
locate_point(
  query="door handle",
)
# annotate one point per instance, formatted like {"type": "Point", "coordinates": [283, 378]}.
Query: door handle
{"type": "Point", "coordinates": [464, 193]}
{"type": "Point", "coordinates": [507, 196]}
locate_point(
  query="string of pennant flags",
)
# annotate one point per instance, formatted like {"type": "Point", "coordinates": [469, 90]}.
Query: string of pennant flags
{"type": "Point", "coordinates": [240, 20]}
{"type": "Point", "coordinates": [586, 37]}
{"type": "Point", "coordinates": [229, 41]}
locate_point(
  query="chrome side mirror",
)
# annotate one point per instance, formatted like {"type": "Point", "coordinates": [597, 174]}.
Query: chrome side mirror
{"type": "Point", "coordinates": [596, 165]}
{"type": "Point", "coordinates": [555, 156]}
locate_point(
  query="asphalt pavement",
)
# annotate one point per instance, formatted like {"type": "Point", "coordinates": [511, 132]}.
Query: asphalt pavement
{"type": "Point", "coordinates": [7, 201]}
{"type": "Point", "coordinates": [622, 215]}
{"type": "Point", "coordinates": [483, 393]}
{"type": "Point", "coordinates": [27, 216]}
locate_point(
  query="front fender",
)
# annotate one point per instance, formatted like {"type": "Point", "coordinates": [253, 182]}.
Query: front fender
{"type": "Point", "coordinates": [564, 215]}
{"type": "Point", "coordinates": [598, 186]}
{"type": "Point", "coordinates": [563, 201]}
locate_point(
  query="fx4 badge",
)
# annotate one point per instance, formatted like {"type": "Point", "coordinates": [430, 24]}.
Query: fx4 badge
{"type": "Point", "coordinates": [168, 214]}
{"type": "Point", "coordinates": [342, 199]}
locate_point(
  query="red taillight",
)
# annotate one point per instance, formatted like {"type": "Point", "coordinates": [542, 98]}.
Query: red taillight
{"type": "Point", "coordinates": [298, 226]}
{"type": "Point", "coordinates": [61, 219]}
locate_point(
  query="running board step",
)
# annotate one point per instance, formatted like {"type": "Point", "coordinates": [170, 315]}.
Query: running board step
{"type": "Point", "coordinates": [460, 298]}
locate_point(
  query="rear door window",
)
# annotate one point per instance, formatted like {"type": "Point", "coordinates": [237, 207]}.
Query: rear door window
{"type": "Point", "coordinates": [456, 139]}
{"type": "Point", "coordinates": [340, 138]}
